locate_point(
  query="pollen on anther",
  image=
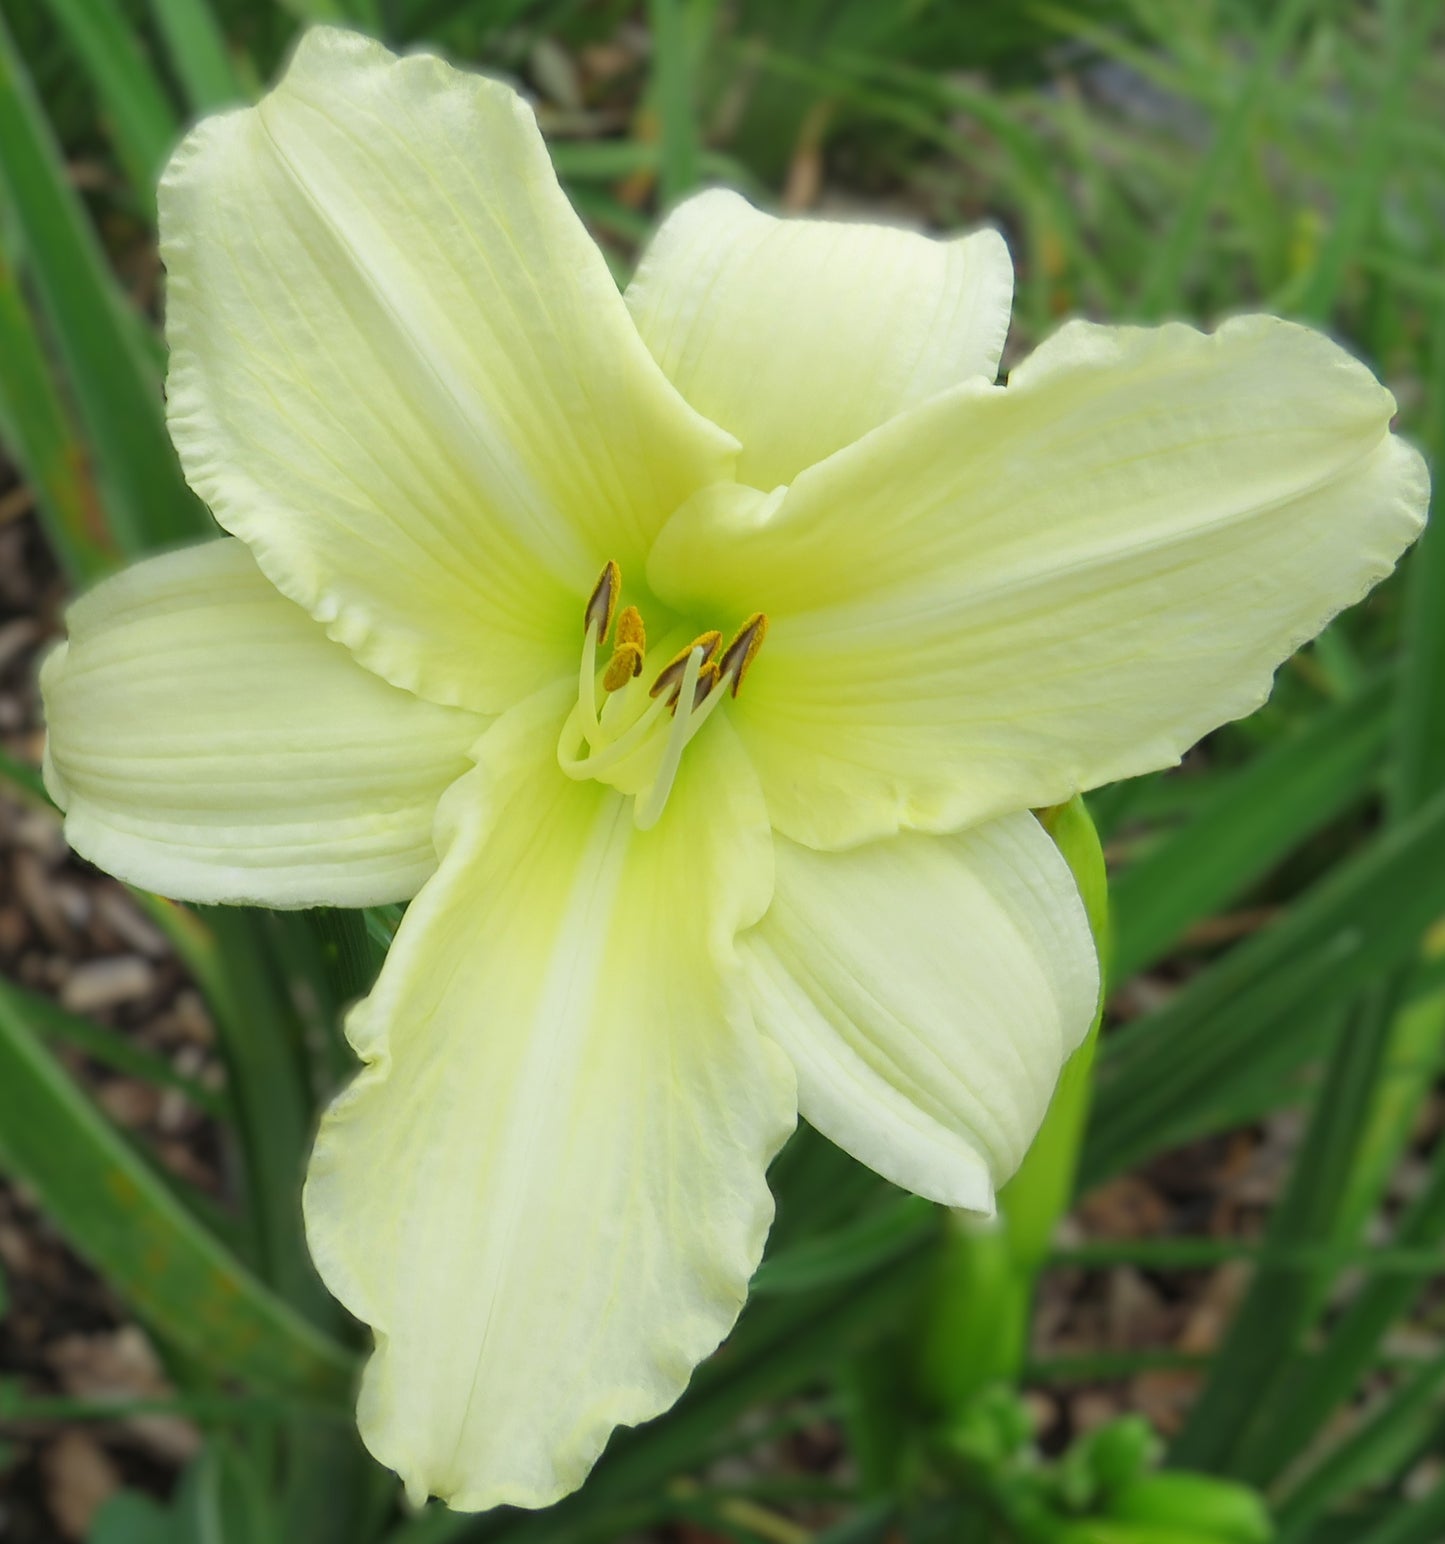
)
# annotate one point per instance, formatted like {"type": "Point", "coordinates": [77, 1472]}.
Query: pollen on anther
{"type": "Point", "coordinates": [669, 678]}
{"type": "Point", "coordinates": [743, 650]}
{"type": "Point", "coordinates": [628, 651]}
{"type": "Point", "coordinates": [603, 601]}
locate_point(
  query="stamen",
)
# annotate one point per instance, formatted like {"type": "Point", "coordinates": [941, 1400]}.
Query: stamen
{"type": "Point", "coordinates": [582, 767]}
{"type": "Point", "coordinates": [707, 678]}
{"type": "Point", "coordinates": [671, 674]}
{"type": "Point", "coordinates": [627, 652]}
{"type": "Point", "coordinates": [624, 745]}
{"type": "Point", "coordinates": [587, 685]}
{"type": "Point", "coordinates": [603, 601]}
{"type": "Point", "coordinates": [645, 815]}
{"type": "Point", "coordinates": [743, 650]}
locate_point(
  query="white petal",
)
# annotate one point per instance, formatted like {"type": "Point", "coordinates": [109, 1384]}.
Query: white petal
{"type": "Point", "coordinates": [799, 336]}
{"type": "Point", "coordinates": [1009, 596]}
{"type": "Point", "coordinates": [401, 371]}
{"type": "Point", "coordinates": [929, 990]}
{"type": "Point", "coordinates": [208, 741]}
{"type": "Point", "coordinates": [546, 1192]}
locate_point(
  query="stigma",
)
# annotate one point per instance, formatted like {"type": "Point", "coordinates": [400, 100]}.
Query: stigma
{"type": "Point", "coordinates": [653, 702]}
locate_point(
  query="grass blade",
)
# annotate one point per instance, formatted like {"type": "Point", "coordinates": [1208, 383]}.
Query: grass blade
{"type": "Point", "coordinates": [198, 51]}
{"type": "Point", "coordinates": [1420, 733]}
{"type": "Point", "coordinates": [1283, 1425]}
{"type": "Point", "coordinates": [261, 1038]}
{"type": "Point", "coordinates": [115, 385]}
{"type": "Point", "coordinates": [1257, 818]}
{"type": "Point", "coordinates": [875, 1238]}
{"type": "Point", "coordinates": [140, 117]}
{"type": "Point", "coordinates": [674, 24]}
{"type": "Point", "coordinates": [45, 445]}
{"type": "Point", "coordinates": [122, 1218]}
{"type": "Point", "coordinates": [1359, 200]}
{"type": "Point", "coordinates": [1282, 1301]}
{"type": "Point", "coordinates": [113, 1050]}
{"type": "Point", "coordinates": [1363, 919]}
{"type": "Point", "coordinates": [1183, 240]}
{"type": "Point", "coordinates": [1383, 1444]}
{"type": "Point", "coordinates": [1423, 1522]}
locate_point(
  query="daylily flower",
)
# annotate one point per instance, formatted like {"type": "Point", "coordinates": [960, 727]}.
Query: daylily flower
{"type": "Point", "coordinates": [692, 659]}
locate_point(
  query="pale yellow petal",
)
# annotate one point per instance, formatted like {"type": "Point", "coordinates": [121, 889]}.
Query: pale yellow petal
{"type": "Point", "coordinates": [401, 371]}
{"type": "Point", "coordinates": [928, 990]}
{"type": "Point", "coordinates": [1008, 596]}
{"type": "Point", "coordinates": [546, 1192]}
{"type": "Point", "coordinates": [208, 741]}
{"type": "Point", "coordinates": [800, 335]}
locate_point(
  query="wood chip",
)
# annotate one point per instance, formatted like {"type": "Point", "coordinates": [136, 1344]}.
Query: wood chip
{"type": "Point", "coordinates": [15, 638]}
{"type": "Point", "coordinates": [36, 894]}
{"type": "Point", "coordinates": [80, 1477]}
{"type": "Point", "coordinates": [130, 1103]}
{"type": "Point", "coordinates": [107, 983]}
{"type": "Point", "coordinates": [123, 918]}
{"type": "Point", "coordinates": [122, 1365]}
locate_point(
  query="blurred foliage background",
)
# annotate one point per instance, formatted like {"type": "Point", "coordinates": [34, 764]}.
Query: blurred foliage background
{"type": "Point", "coordinates": [1254, 1259]}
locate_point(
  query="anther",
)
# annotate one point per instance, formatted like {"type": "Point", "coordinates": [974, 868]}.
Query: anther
{"type": "Point", "coordinates": [707, 678]}
{"type": "Point", "coordinates": [603, 601]}
{"type": "Point", "coordinates": [743, 650]}
{"type": "Point", "coordinates": [669, 678]}
{"type": "Point", "coordinates": [627, 652]}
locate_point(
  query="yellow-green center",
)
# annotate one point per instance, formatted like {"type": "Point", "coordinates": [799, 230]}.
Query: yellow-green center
{"type": "Point", "coordinates": [650, 711]}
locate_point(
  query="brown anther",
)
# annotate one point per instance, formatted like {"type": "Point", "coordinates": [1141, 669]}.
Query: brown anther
{"type": "Point", "coordinates": [669, 678]}
{"type": "Point", "coordinates": [603, 602]}
{"type": "Point", "coordinates": [743, 650]}
{"type": "Point", "coordinates": [708, 678]}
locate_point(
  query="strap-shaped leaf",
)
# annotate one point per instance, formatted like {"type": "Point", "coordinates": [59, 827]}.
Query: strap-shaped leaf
{"type": "Point", "coordinates": [115, 383]}
{"type": "Point", "coordinates": [123, 1219]}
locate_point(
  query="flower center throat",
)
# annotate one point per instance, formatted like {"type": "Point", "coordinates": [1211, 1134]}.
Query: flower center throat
{"type": "Point", "coordinates": [649, 714]}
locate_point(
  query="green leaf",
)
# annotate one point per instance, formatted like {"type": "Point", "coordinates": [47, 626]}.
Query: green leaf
{"type": "Point", "coordinates": [1267, 1333]}
{"type": "Point", "coordinates": [114, 383]}
{"type": "Point", "coordinates": [131, 100]}
{"type": "Point", "coordinates": [43, 439]}
{"type": "Point", "coordinates": [1314, 1387]}
{"type": "Point", "coordinates": [222, 1500]}
{"type": "Point", "coordinates": [1358, 203]}
{"type": "Point", "coordinates": [130, 1517]}
{"type": "Point", "coordinates": [261, 1033]}
{"type": "Point", "coordinates": [1181, 244]}
{"type": "Point", "coordinates": [1420, 754]}
{"type": "Point", "coordinates": [198, 51]}
{"type": "Point", "coordinates": [1256, 818]}
{"type": "Point", "coordinates": [875, 1238]}
{"type": "Point", "coordinates": [1265, 998]}
{"type": "Point", "coordinates": [1421, 1522]}
{"type": "Point", "coordinates": [901, 93]}
{"type": "Point", "coordinates": [1382, 1445]}
{"type": "Point", "coordinates": [121, 1217]}
{"type": "Point", "coordinates": [679, 28]}
{"type": "Point", "coordinates": [113, 1050]}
